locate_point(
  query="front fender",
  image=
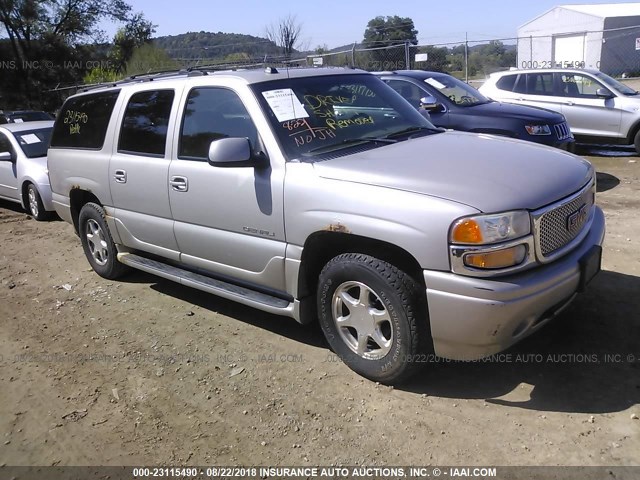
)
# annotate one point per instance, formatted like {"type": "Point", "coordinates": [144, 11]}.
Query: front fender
{"type": "Point", "coordinates": [416, 223]}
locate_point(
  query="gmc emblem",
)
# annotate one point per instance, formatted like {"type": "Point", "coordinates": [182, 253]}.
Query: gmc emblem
{"type": "Point", "coordinates": [577, 218]}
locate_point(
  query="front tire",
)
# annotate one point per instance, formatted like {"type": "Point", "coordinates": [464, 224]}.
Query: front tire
{"type": "Point", "coordinates": [35, 207]}
{"type": "Point", "coordinates": [636, 142]}
{"type": "Point", "coordinates": [374, 316]}
{"type": "Point", "coordinates": [97, 242]}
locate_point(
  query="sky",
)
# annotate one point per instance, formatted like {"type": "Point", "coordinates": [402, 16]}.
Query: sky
{"type": "Point", "coordinates": [335, 23]}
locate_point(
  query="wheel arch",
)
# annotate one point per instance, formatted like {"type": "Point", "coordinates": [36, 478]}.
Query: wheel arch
{"type": "Point", "coordinates": [78, 198]}
{"type": "Point", "coordinates": [633, 131]}
{"type": "Point", "coordinates": [322, 246]}
{"type": "Point", "coordinates": [23, 191]}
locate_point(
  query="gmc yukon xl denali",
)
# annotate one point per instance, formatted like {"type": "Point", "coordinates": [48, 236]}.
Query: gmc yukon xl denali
{"type": "Point", "coordinates": [321, 194]}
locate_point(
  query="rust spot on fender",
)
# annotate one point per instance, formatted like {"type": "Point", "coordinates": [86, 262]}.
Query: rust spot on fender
{"type": "Point", "coordinates": [337, 227]}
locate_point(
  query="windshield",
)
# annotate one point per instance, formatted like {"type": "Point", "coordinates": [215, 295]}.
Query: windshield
{"type": "Point", "coordinates": [18, 117]}
{"type": "Point", "coordinates": [616, 85]}
{"type": "Point", "coordinates": [456, 90]}
{"type": "Point", "coordinates": [34, 143]}
{"type": "Point", "coordinates": [313, 116]}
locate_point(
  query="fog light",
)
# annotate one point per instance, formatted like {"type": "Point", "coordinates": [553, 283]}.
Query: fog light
{"type": "Point", "coordinates": [507, 257]}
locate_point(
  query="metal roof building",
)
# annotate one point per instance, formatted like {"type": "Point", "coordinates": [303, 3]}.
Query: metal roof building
{"type": "Point", "coordinates": [602, 36]}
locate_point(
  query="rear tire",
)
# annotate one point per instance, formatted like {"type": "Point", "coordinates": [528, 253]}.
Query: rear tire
{"type": "Point", "coordinates": [97, 242]}
{"type": "Point", "coordinates": [35, 207]}
{"type": "Point", "coordinates": [374, 317]}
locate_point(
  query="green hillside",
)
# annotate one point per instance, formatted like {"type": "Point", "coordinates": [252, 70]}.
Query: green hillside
{"type": "Point", "coordinates": [216, 46]}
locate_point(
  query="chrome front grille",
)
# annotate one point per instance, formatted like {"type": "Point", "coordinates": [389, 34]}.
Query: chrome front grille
{"type": "Point", "coordinates": [558, 225]}
{"type": "Point", "coordinates": [562, 131]}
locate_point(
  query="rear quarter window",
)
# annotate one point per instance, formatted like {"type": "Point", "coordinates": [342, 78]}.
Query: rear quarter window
{"type": "Point", "coordinates": [507, 83]}
{"type": "Point", "coordinates": [83, 121]}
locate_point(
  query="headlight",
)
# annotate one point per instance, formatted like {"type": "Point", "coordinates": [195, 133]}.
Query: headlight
{"type": "Point", "coordinates": [538, 129]}
{"type": "Point", "coordinates": [487, 229]}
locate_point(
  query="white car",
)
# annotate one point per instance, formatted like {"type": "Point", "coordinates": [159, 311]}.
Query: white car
{"type": "Point", "coordinates": [598, 108]}
{"type": "Point", "coordinates": [23, 166]}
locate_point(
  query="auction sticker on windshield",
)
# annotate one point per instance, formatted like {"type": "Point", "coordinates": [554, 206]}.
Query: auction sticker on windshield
{"type": "Point", "coordinates": [30, 138]}
{"type": "Point", "coordinates": [285, 104]}
{"type": "Point", "coordinates": [435, 83]}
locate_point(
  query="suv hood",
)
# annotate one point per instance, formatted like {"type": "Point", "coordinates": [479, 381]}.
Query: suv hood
{"type": "Point", "coordinates": [491, 174]}
{"type": "Point", "coordinates": [520, 112]}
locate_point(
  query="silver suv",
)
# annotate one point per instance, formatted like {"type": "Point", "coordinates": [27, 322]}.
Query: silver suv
{"type": "Point", "coordinates": [598, 108]}
{"type": "Point", "coordinates": [322, 194]}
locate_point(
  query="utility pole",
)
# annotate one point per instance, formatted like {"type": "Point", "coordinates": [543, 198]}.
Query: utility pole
{"type": "Point", "coordinates": [466, 57]}
{"type": "Point", "coordinates": [407, 57]}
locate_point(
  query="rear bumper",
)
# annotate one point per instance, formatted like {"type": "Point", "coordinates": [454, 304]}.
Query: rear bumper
{"type": "Point", "coordinates": [473, 318]}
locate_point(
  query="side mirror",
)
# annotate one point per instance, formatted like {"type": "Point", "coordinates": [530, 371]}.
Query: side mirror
{"type": "Point", "coordinates": [604, 93]}
{"type": "Point", "coordinates": [430, 104]}
{"type": "Point", "coordinates": [6, 157]}
{"type": "Point", "coordinates": [425, 113]}
{"type": "Point", "coordinates": [233, 152]}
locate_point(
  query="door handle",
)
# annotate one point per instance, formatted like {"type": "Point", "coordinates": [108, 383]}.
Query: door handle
{"type": "Point", "coordinates": [179, 184]}
{"type": "Point", "coordinates": [569, 103]}
{"type": "Point", "coordinates": [120, 176]}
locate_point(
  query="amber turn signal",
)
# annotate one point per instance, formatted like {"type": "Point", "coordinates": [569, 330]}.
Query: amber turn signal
{"type": "Point", "coordinates": [507, 257]}
{"type": "Point", "coordinates": [466, 231]}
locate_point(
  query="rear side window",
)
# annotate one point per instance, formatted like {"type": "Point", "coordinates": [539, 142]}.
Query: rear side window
{"type": "Point", "coordinates": [83, 121]}
{"type": "Point", "coordinates": [145, 123]}
{"type": "Point", "coordinates": [507, 83]}
{"type": "Point", "coordinates": [540, 83]}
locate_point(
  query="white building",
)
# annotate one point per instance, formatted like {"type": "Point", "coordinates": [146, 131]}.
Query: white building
{"type": "Point", "coordinates": [602, 36]}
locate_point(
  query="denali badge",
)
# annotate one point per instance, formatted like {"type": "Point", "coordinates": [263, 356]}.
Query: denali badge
{"type": "Point", "coordinates": [577, 218]}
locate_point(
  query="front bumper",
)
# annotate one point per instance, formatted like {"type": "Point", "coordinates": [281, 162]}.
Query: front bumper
{"type": "Point", "coordinates": [473, 318]}
{"type": "Point", "coordinates": [567, 145]}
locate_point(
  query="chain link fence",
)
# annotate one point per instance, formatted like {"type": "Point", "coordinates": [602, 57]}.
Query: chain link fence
{"type": "Point", "coordinates": [615, 52]}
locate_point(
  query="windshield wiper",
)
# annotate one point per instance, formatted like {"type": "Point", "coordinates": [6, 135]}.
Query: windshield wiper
{"type": "Point", "coordinates": [411, 130]}
{"type": "Point", "coordinates": [347, 142]}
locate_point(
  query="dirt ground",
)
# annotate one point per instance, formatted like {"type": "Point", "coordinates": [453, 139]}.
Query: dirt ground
{"type": "Point", "coordinates": [144, 371]}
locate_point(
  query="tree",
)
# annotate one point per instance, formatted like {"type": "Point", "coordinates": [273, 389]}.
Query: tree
{"type": "Point", "coordinates": [100, 75]}
{"type": "Point", "coordinates": [388, 31]}
{"type": "Point", "coordinates": [437, 59]}
{"type": "Point", "coordinates": [239, 58]}
{"type": "Point", "coordinates": [29, 21]}
{"type": "Point", "coordinates": [135, 33]}
{"type": "Point", "coordinates": [44, 34]}
{"type": "Point", "coordinates": [285, 34]}
{"type": "Point", "coordinates": [490, 57]}
{"type": "Point", "coordinates": [149, 58]}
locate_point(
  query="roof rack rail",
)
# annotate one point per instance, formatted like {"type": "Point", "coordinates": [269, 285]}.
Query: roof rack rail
{"type": "Point", "coordinates": [139, 77]}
